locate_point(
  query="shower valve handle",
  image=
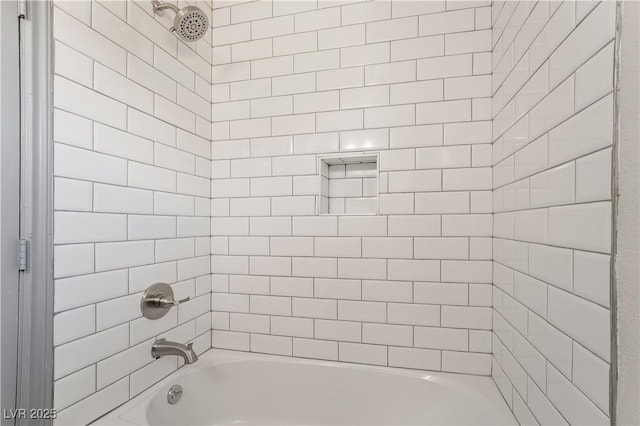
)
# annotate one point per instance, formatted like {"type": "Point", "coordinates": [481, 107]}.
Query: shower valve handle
{"type": "Point", "coordinates": [157, 300]}
{"type": "Point", "coordinates": [164, 302]}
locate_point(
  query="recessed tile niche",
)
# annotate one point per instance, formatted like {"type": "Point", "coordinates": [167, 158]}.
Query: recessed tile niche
{"type": "Point", "coordinates": [349, 184]}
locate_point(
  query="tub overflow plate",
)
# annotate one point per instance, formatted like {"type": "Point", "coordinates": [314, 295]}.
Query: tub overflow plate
{"type": "Point", "coordinates": [174, 394]}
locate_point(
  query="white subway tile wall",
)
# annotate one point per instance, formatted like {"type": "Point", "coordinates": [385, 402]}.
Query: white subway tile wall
{"type": "Point", "coordinates": [553, 131]}
{"type": "Point", "coordinates": [410, 80]}
{"type": "Point", "coordinates": [132, 137]}
{"type": "Point", "coordinates": [197, 165]}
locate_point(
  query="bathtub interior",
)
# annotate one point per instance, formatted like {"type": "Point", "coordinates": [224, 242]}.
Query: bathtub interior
{"type": "Point", "coordinates": [238, 388]}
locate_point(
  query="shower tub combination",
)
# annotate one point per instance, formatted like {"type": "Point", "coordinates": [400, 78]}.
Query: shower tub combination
{"type": "Point", "coordinates": [231, 388]}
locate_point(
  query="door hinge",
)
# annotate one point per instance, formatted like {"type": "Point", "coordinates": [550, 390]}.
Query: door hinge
{"type": "Point", "coordinates": [23, 254]}
{"type": "Point", "coordinates": [22, 9]}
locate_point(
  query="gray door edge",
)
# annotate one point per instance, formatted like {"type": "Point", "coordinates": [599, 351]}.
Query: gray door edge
{"type": "Point", "coordinates": [35, 335]}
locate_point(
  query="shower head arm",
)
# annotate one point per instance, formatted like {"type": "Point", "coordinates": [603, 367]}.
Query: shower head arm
{"type": "Point", "coordinates": [157, 6]}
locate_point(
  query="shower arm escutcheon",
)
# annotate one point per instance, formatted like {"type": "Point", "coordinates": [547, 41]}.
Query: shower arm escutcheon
{"type": "Point", "coordinates": [157, 300]}
{"type": "Point", "coordinates": [159, 6]}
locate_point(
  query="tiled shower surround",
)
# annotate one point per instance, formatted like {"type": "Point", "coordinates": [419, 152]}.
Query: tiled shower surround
{"type": "Point", "coordinates": [553, 133]}
{"type": "Point", "coordinates": [198, 164]}
{"type": "Point", "coordinates": [132, 169]}
{"type": "Point", "coordinates": [409, 287]}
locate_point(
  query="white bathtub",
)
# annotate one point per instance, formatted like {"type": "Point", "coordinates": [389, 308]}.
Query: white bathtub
{"type": "Point", "coordinates": [236, 388]}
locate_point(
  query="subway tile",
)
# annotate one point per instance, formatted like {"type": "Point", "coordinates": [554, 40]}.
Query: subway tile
{"type": "Point", "coordinates": [583, 133]}
{"type": "Point", "coordinates": [440, 294]}
{"type": "Point", "coordinates": [393, 72]}
{"type": "Point", "coordinates": [447, 22]}
{"type": "Point", "coordinates": [387, 291]}
{"type": "Point", "coordinates": [338, 330]}
{"type": "Point", "coordinates": [343, 36]}
{"type": "Point", "coordinates": [316, 20]}
{"type": "Point", "coordinates": [443, 112]}
{"type": "Point", "coordinates": [73, 65]}
{"type": "Point", "coordinates": [413, 270]}
{"type": "Point", "coordinates": [117, 311]}
{"type": "Point", "coordinates": [594, 32]}
{"type": "Point", "coordinates": [110, 26]}
{"type": "Point", "coordinates": [72, 129]}
{"type": "Point", "coordinates": [593, 79]}
{"type": "Point", "coordinates": [118, 255]}
{"type": "Point", "coordinates": [298, 83]}
{"type": "Point", "coordinates": [470, 179]}
{"type": "Point", "coordinates": [90, 350]}
{"type": "Point", "coordinates": [96, 405]}
{"type": "Point", "coordinates": [422, 91]}
{"type": "Point", "coordinates": [362, 353]}
{"type": "Point", "coordinates": [441, 338]}
{"type": "Point", "coordinates": [584, 321]}
{"type": "Point", "coordinates": [295, 327]}
{"type": "Point", "coordinates": [272, 27]}
{"type": "Point", "coordinates": [318, 349]}
{"type": "Point", "coordinates": [553, 187]}
{"type": "Point", "coordinates": [444, 66]}
{"type": "Point", "coordinates": [364, 139]}
{"type": "Point", "coordinates": [251, 11]}
{"type": "Point", "coordinates": [416, 136]}
{"type": "Point", "coordinates": [150, 127]}
{"type": "Point", "coordinates": [592, 277]}
{"type": "Point", "coordinates": [231, 72]}
{"type": "Point", "coordinates": [441, 248]}
{"type": "Point", "coordinates": [276, 345]}
{"type": "Point", "coordinates": [415, 181]}
{"type": "Point", "coordinates": [364, 97]}
{"type": "Point", "coordinates": [364, 55]}
{"type": "Point", "coordinates": [573, 404]}
{"type": "Point", "coordinates": [542, 407]}
{"type": "Point", "coordinates": [387, 334]}
{"type": "Point", "coordinates": [120, 88]}
{"type": "Point", "coordinates": [553, 344]}
{"type": "Point", "coordinates": [340, 78]}
{"type": "Point", "coordinates": [365, 12]}
{"type": "Point", "coordinates": [553, 109]}
{"type": "Point", "coordinates": [75, 387]}
{"type": "Point", "coordinates": [583, 226]}
{"type": "Point", "coordinates": [296, 43]}
{"type": "Point", "coordinates": [338, 246]}
{"type": "Point", "coordinates": [477, 271]}
{"type": "Point", "coordinates": [73, 324]}
{"type": "Point", "coordinates": [287, 8]}
{"type": "Point", "coordinates": [443, 157]}
{"type": "Point", "coordinates": [466, 362]}
{"type": "Point", "coordinates": [87, 103]}
{"type": "Point", "coordinates": [337, 289]}
{"type": "Point", "coordinates": [362, 268]}
{"type": "Point", "coordinates": [315, 102]}
{"type": "Point", "coordinates": [230, 340]}
{"type": "Point", "coordinates": [88, 41]}
{"type": "Point", "coordinates": [71, 194]}
{"type": "Point", "coordinates": [315, 267]}
{"type": "Point", "coordinates": [593, 177]}
{"type": "Point", "coordinates": [467, 42]}
{"type": "Point", "coordinates": [314, 308]}
{"type": "Point", "coordinates": [591, 376]}
{"type": "Point", "coordinates": [339, 120]}
{"type": "Point", "coordinates": [393, 29]}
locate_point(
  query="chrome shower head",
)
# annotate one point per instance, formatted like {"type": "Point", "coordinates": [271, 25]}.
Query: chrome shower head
{"type": "Point", "coordinates": [190, 23]}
